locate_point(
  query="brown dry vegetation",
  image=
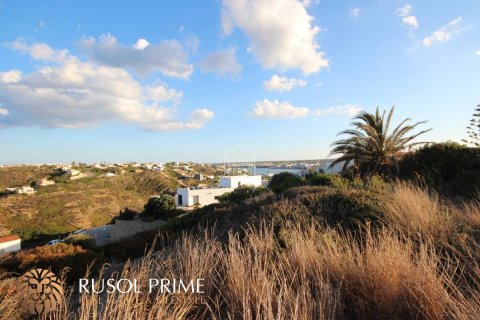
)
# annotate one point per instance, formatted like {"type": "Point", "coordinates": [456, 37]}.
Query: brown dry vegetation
{"type": "Point", "coordinates": [419, 260]}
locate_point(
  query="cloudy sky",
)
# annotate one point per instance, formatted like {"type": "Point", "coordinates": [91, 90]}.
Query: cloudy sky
{"type": "Point", "coordinates": [186, 80]}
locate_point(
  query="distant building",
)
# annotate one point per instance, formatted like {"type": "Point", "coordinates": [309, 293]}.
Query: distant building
{"type": "Point", "coordinates": [10, 244]}
{"type": "Point", "coordinates": [25, 190]}
{"type": "Point", "coordinates": [198, 176]}
{"type": "Point", "coordinates": [237, 181]}
{"type": "Point", "coordinates": [110, 174]}
{"type": "Point", "coordinates": [45, 182]}
{"type": "Point", "coordinates": [187, 197]}
{"type": "Point", "coordinates": [73, 172]}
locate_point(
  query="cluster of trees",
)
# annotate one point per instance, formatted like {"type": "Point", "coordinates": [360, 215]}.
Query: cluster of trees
{"type": "Point", "coordinates": [371, 149]}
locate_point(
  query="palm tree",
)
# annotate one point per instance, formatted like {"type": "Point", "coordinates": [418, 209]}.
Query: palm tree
{"type": "Point", "coordinates": [370, 146]}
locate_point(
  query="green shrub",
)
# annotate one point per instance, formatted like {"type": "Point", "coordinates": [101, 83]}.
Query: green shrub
{"type": "Point", "coordinates": [158, 207]}
{"type": "Point", "coordinates": [241, 194]}
{"type": "Point", "coordinates": [447, 167]}
{"type": "Point", "coordinates": [344, 207]}
{"type": "Point", "coordinates": [285, 180]}
{"type": "Point", "coordinates": [126, 214]}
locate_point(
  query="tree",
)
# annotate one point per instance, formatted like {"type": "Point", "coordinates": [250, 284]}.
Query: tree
{"type": "Point", "coordinates": [285, 180]}
{"type": "Point", "coordinates": [240, 194]}
{"type": "Point", "coordinates": [370, 146]}
{"type": "Point", "coordinates": [473, 129]}
{"type": "Point", "coordinates": [158, 207]}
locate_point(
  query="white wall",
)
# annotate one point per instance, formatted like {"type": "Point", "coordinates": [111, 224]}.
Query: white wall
{"type": "Point", "coordinates": [236, 181]}
{"type": "Point", "coordinates": [10, 246]}
{"type": "Point", "coordinates": [205, 196]}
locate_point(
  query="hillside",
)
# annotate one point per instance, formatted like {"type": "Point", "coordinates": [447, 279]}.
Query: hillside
{"type": "Point", "coordinates": [74, 204]}
{"type": "Point", "coordinates": [389, 251]}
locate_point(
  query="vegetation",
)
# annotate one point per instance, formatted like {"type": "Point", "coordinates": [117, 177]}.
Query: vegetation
{"type": "Point", "coordinates": [241, 194]}
{"type": "Point", "coordinates": [416, 261]}
{"type": "Point", "coordinates": [370, 146]}
{"type": "Point", "coordinates": [473, 129]}
{"type": "Point", "coordinates": [77, 204]}
{"type": "Point", "coordinates": [285, 180]}
{"type": "Point", "coordinates": [450, 168]}
{"type": "Point", "coordinates": [159, 206]}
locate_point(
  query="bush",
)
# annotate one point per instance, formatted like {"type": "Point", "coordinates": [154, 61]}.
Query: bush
{"type": "Point", "coordinates": [158, 207]}
{"type": "Point", "coordinates": [82, 240]}
{"type": "Point", "coordinates": [241, 194]}
{"type": "Point", "coordinates": [447, 167]}
{"type": "Point", "coordinates": [285, 180]}
{"type": "Point", "coordinates": [126, 214]}
{"type": "Point", "coordinates": [57, 257]}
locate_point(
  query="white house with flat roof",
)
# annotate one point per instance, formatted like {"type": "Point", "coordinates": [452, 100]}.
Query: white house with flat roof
{"type": "Point", "coordinates": [188, 197]}
{"type": "Point", "coordinates": [10, 244]}
{"type": "Point", "coordinates": [237, 181]}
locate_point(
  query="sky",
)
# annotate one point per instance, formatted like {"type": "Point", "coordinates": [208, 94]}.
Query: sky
{"type": "Point", "coordinates": [118, 81]}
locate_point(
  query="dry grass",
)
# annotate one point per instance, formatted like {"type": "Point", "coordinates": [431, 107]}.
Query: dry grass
{"type": "Point", "coordinates": [399, 271]}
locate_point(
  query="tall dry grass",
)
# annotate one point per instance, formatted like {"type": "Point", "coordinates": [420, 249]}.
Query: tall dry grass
{"type": "Point", "coordinates": [397, 271]}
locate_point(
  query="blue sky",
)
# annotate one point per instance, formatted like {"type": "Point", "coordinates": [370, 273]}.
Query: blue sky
{"type": "Point", "coordinates": [186, 80]}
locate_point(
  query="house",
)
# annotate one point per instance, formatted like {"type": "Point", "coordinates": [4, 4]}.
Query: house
{"type": "Point", "coordinates": [187, 197]}
{"type": "Point", "coordinates": [73, 172]}
{"type": "Point", "coordinates": [237, 181]}
{"type": "Point", "coordinates": [45, 182]}
{"type": "Point", "coordinates": [25, 190]}
{"type": "Point", "coordinates": [110, 174]}
{"type": "Point", "coordinates": [198, 176]}
{"type": "Point", "coordinates": [10, 244]}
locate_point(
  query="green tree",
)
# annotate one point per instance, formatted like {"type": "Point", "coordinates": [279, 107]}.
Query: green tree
{"type": "Point", "coordinates": [285, 180]}
{"type": "Point", "coordinates": [370, 146]}
{"type": "Point", "coordinates": [473, 129]}
{"type": "Point", "coordinates": [241, 194]}
{"type": "Point", "coordinates": [158, 207]}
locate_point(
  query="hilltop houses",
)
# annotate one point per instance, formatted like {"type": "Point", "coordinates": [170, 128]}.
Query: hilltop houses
{"type": "Point", "coordinates": [10, 244]}
{"type": "Point", "coordinates": [188, 197]}
{"type": "Point", "coordinates": [44, 182]}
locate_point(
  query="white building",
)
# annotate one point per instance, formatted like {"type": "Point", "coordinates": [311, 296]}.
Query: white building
{"type": "Point", "coordinates": [237, 181]}
{"type": "Point", "coordinates": [45, 182]}
{"type": "Point", "coordinates": [187, 197]}
{"type": "Point", "coordinates": [25, 190]}
{"type": "Point", "coordinates": [10, 244]}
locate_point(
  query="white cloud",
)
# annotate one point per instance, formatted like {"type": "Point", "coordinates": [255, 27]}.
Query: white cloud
{"type": "Point", "coordinates": [278, 110]}
{"type": "Point", "coordinates": [285, 110]}
{"type": "Point", "coordinates": [77, 94]}
{"type": "Point", "coordinates": [38, 51]}
{"type": "Point", "coordinates": [141, 44]}
{"type": "Point", "coordinates": [354, 13]}
{"type": "Point", "coordinates": [348, 109]}
{"type": "Point", "coordinates": [168, 57]}
{"type": "Point", "coordinates": [283, 83]}
{"type": "Point", "coordinates": [477, 53]}
{"type": "Point", "coordinates": [408, 20]}
{"type": "Point", "coordinates": [222, 63]}
{"type": "Point", "coordinates": [444, 33]}
{"type": "Point", "coordinates": [11, 76]}
{"type": "Point", "coordinates": [405, 10]}
{"type": "Point", "coordinates": [162, 93]}
{"type": "Point", "coordinates": [281, 33]}
{"type": "Point", "coordinates": [3, 112]}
